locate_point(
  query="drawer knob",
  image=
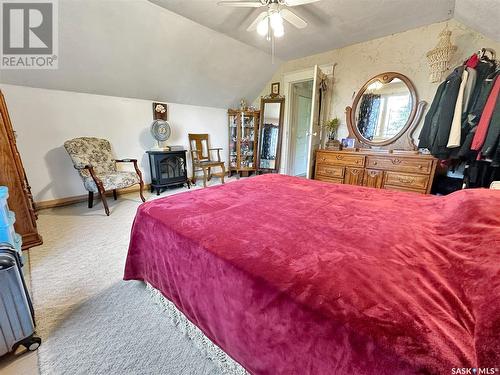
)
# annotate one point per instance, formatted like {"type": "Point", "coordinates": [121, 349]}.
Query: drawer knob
{"type": "Point", "coordinates": [339, 157]}
{"type": "Point", "coordinates": [323, 159]}
{"type": "Point", "coordinates": [420, 166]}
{"type": "Point", "coordinates": [406, 180]}
{"type": "Point", "coordinates": [375, 163]}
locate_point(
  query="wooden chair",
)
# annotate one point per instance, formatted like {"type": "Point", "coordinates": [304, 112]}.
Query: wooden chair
{"type": "Point", "coordinates": [199, 147]}
{"type": "Point", "coordinates": [93, 159]}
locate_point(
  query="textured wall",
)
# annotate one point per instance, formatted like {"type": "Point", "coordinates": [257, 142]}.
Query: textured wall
{"type": "Point", "coordinates": [403, 52]}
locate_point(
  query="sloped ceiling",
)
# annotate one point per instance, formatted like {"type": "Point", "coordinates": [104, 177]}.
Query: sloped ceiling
{"type": "Point", "coordinates": [195, 52]}
{"type": "Point", "coordinates": [482, 16]}
{"type": "Point", "coordinates": [332, 23]}
{"type": "Point", "coordinates": [136, 49]}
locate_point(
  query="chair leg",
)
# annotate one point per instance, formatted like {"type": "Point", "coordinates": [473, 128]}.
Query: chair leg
{"type": "Point", "coordinates": [104, 201]}
{"type": "Point", "coordinates": [209, 174]}
{"type": "Point", "coordinates": [204, 177]}
{"type": "Point", "coordinates": [141, 188]}
{"type": "Point", "coordinates": [115, 196]}
{"type": "Point", "coordinates": [223, 167]}
{"type": "Point", "coordinates": [193, 176]}
{"type": "Point", "coordinates": [91, 199]}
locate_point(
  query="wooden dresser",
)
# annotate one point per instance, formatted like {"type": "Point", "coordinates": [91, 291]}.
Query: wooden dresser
{"type": "Point", "coordinates": [406, 171]}
{"type": "Point", "coordinates": [13, 176]}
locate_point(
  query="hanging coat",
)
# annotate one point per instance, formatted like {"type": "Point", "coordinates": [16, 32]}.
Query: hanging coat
{"type": "Point", "coordinates": [470, 123]}
{"type": "Point", "coordinates": [436, 130]}
{"type": "Point", "coordinates": [493, 136]}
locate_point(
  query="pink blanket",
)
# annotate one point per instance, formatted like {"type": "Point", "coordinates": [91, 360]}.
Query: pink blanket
{"type": "Point", "coordinates": [292, 276]}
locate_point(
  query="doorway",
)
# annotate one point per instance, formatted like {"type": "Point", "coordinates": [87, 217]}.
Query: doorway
{"type": "Point", "coordinates": [300, 120]}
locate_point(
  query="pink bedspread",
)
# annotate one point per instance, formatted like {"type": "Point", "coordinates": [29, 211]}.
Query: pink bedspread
{"type": "Point", "coordinates": [292, 276]}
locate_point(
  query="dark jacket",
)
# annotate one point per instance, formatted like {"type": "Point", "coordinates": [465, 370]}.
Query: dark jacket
{"type": "Point", "coordinates": [436, 130]}
{"type": "Point", "coordinates": [492, 137]}
{"type": "Point", "coordinates": [473, 117]}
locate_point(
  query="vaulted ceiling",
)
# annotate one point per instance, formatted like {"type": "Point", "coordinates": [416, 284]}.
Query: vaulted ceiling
{"type": "Point", "coordinates": [332, 23]}
{"type": "Point", "coordinates": [133, 48]}
{"type": "Point", "coordinates": [482, 16]}
{"type": "Point", "coordinates": [196, 52]}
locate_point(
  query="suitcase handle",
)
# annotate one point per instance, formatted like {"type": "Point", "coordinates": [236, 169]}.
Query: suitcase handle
{"type": "Point", "coordinates": [7, 248]}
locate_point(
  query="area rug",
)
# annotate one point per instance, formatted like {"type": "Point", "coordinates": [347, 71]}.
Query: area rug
{"type": "Point", "coordinates": [91, 321]}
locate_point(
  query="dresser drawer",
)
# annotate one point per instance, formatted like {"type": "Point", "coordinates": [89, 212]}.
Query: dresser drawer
{"type": "Point", "coordinates": [399, 188]}
{"type": "Point", "coordinates": [409, 181]}
{"type": "Point", "coordinates": [328, 179]}
{"type": "Point", "coordinates": [394, 163]}
{"type": "Point", "coordinates": [348, 160]}
{"type": "Point", "coordinates": [335, 171]}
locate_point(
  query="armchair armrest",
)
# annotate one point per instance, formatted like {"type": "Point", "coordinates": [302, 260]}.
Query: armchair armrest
{"type": "Point", "coordinates": [83, 166]}
{"type": "Point", "coordinates": [136, 166]}
{"type": "Point", "coordinates": [96, 179]}
{"type": "Point", "coordinates": [218, 149]}
{"type": "Point", "coordinates": [126, 160]}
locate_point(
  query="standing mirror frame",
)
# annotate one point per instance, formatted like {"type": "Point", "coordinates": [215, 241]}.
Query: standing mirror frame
{"type": "Point", "coordinates": [265, 164]}
{"type": "Point", "coordinates": [403, 140]}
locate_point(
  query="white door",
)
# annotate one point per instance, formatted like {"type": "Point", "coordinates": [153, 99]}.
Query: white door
{"type": "Point", "coordinates": [301, 138]}
{"type": "Point", "coordinates": [314, 133]}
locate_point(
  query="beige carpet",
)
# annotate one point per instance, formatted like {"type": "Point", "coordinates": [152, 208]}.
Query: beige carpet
{"type": "Point", "coordinates": [91, 321]}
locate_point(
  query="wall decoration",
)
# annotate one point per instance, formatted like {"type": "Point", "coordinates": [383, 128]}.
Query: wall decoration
{"type": "Point", "coordinates": [243, 104]}
{"type": "Point", "coordinates": [275, 89]}
{"type": "Point", "coordinates": [439, 58]}
{"type": "Point", "coordinates": [160, 111]}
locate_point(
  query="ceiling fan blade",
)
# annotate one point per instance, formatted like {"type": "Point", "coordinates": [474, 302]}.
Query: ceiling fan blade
{"type": "Point", "coordinates": [291, 17]}
{"type": "Point", "coordinates": [242, 4]}
{"type": "Point", "coordinates": [254, 24]}
{"type": "Point", "coordinates": [293, 3]}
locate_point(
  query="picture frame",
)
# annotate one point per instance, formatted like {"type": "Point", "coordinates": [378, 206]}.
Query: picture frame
{"type": "Point", "coordinates": [160, 111]}
{"type": "Point", "coordinates": [348, 142]}
{"type": "Point", "coordinates": [275, 89]}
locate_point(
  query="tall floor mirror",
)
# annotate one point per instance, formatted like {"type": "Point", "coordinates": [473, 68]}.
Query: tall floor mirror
{"type": "Point", "coordinates": [270, 134]}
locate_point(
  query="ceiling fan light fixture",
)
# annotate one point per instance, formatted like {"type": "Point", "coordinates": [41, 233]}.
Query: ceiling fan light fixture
{"type": "Point", "coordinates": [276, 20]}
{"type": "Point", "coordinates": [263, 27]}
{"type": "Point", "coordinates": [279, 31]}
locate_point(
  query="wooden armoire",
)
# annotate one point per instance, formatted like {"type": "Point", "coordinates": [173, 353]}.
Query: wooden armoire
{"type": "Point", "coordinates": [13, 176]}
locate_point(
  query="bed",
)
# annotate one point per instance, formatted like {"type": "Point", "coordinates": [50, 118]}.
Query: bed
{"type": "Point", "coordinates": [293, 276]}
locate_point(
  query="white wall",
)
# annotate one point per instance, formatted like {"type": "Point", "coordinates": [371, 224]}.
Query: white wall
{"type": "Point", "coordinates": [403, 52]}
{"type": "Point", "coordinates": [44, 119]}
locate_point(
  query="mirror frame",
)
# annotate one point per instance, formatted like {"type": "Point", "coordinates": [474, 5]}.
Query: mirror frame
{"type": "Point", "coordinates": [263, 101]}
{"type": "Point", "coordinates": [403, 140]}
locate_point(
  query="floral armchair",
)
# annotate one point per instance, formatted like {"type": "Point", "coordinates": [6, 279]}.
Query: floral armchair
{"type": "Point", "coordinates": [93, 159]}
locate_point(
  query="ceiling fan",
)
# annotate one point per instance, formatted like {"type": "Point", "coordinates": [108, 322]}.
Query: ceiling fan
{"type": "Point", "coordinates": [270, 22]}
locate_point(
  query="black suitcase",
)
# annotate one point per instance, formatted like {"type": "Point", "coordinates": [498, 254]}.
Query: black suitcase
{"type": "Point", "coordinates": [17, 319]}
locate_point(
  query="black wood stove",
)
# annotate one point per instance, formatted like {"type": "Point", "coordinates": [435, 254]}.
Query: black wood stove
{"type": "Point", "coordinates": [168, 168]}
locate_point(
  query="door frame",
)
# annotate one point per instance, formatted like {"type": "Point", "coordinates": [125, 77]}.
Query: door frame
{"type": "Point", "coordinates": [289, 79]}
{"type": "Point", "coordinates": [293, 121]}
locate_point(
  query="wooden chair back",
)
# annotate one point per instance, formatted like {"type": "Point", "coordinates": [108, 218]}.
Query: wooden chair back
{"type": "Point", "coordinates": [199, 146]}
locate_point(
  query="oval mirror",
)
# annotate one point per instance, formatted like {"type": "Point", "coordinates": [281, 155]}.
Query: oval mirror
{"type": "Point", "coordinates": [384, 108]}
